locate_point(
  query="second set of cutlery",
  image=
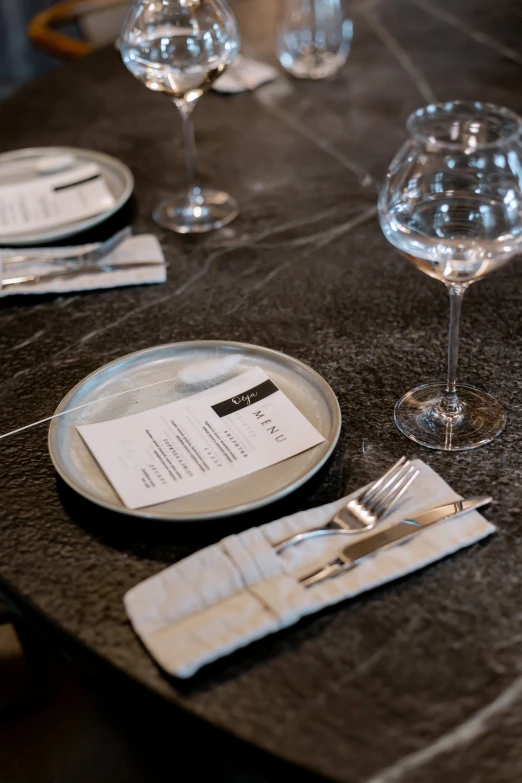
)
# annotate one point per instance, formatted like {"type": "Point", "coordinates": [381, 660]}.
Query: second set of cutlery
{"type": "Point", "coordinates": [36, 266]}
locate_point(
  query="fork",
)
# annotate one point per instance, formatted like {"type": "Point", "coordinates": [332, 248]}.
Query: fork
{"type": "Point", "coordinates": [90, 257]}
{"type": "Point", "coordinates": [362, 513]}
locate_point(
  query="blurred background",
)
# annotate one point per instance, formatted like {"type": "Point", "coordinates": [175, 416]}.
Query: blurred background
{"type": "Point", "coordinates": [37, 35]}
{"type": "Point", "coordinates": [20, 61]}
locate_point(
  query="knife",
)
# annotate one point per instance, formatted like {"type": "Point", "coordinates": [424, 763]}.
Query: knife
{"type": "Point", "coordinates": [77, 271]}
{"type": "Point", "coordinates": [354, 553]}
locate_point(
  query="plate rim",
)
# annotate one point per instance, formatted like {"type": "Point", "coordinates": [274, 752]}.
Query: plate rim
{"type": "Point", "coordinates": [87, 223]}
{"type": "Point", "coordinates": [206, 516]}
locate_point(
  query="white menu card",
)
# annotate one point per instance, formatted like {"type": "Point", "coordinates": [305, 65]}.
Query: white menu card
{"type": "Point", "coordinates": [45, 202]}
{"type": "Point", "coordinates": [201, 441]}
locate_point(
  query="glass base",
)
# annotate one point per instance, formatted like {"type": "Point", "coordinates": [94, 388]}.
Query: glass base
{"type": "Point", "coordinates": [419, 417]}
{"type": "Point", "coordinates": [197, 212]}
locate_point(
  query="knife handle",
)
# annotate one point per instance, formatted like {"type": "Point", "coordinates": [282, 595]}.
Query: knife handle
{"type": "Point", "coordinates": [333, 569]}
{"type": "Point", "coordinates": [35, 279]}
{"type": "Point", "coordinates": [78, 271]}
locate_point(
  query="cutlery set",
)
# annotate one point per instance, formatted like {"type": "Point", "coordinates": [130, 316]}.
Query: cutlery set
{"type": "Point", "coordinates": [359, 550]}
{"type": "Point", "coordinates": [77, 271]}
{"type": "Point", "coordinates": [84, 263]}
{"type": "Point", "coordinates": [363, 513]}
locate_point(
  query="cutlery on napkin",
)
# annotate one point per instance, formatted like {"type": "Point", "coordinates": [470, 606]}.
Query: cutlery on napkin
{"type": "Point", "coordinates": [244, 74]}
{"type": "Point", "coordinates": [357, 551]}
{"type": "Point", "coordinates": [140, 259]}
{"type": "Point", "coordinates": [239, 590]}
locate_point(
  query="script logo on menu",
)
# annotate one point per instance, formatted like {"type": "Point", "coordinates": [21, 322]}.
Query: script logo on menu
{"type": "Point", "coordinates": [246, 398]}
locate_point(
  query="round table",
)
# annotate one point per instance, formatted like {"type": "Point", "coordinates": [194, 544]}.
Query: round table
{"type": "Point", "coordinates": [419, 679]}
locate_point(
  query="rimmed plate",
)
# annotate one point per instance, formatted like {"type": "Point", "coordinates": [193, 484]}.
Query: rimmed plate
{"type": "Point", "coordinates": [150, 378]}
{"type": "Point", "coordinates": [116, 174]}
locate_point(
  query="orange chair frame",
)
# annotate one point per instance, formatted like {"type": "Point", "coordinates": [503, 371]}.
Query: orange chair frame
{"type": "Point", "coordinates": [42, 33]}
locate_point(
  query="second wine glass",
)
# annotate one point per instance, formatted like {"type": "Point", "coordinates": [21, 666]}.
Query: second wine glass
{"type": "Point", "coordinates": [179, 48]}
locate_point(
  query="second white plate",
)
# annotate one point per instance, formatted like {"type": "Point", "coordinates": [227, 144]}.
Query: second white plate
{"type": "Point", "coordinates": [116, 174]}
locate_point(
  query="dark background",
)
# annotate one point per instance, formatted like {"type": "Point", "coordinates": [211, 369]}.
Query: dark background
{"type": "Point", "coordinates": [19, 61]}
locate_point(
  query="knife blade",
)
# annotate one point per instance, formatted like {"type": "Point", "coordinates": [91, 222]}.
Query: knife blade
{"type": "Point", "coordinates": [78, 271]}
{"type": "Point", "coordinates": [357, 551]}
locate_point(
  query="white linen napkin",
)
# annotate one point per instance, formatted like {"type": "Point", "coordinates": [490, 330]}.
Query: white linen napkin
{"type": "Point", "coordinates": [244, 74]}
{"type": "Point", "coordinates": [144, 248]}
{"type": "Point", "coordinates": [239, 590]}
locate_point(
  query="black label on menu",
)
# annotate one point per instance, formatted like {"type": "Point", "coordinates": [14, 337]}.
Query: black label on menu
{"type": "Point", "coordinates": [245, 399]}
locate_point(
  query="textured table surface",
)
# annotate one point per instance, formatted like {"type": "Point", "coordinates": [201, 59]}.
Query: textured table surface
{"type": "Point", "coordinates": [421, 680]}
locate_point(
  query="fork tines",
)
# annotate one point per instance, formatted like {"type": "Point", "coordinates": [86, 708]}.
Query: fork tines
{"type": "Point", "coordinates": [389, 488]}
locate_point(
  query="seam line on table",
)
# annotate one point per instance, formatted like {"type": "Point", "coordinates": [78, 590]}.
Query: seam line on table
{"type": "Point", "coordinates": [475, 35]}
{"type": "Point", "coordinates": [399, 52]}
{"type": "Point", "coordinates": [364, 177]}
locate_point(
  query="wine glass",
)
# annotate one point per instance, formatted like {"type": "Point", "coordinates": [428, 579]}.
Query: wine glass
{"type": "Point", "coordinates": [452, 203]}
{"type": "Point", "coordinates": [180, 47]}
{"type": "Point", "coordinates": [313, 37]}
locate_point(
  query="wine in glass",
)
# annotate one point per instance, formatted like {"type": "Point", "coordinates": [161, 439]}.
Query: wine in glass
{"type": "Point", "coordinates": [180, 47]}
{"type": "Point", "coordinates": [452, 203]}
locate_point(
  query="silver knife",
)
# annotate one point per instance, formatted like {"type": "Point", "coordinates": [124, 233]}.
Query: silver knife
{"type": "Point", "coordinates": [354, 553]}
{"type": "Point", "coordinates": [77, 272]}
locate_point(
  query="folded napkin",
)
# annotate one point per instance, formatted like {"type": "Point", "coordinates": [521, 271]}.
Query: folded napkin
{"type": "Point", "coordinates": [239, 590]}
{"type": "Point", "coordinates": [245, 74]}
{"type": "Point", "coordinates": [145, 248]}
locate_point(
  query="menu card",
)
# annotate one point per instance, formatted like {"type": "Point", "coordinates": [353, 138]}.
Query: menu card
{"type": "Point", "coordinates": [53, 200]}
{"type": "Point", "coordinates": [214, 436]}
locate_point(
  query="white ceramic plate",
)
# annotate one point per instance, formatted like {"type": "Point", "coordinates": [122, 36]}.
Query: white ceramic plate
{"type": "Point", "coordinates": [116, 174]}
{"type": "Point", "coordinates": [305, 388]}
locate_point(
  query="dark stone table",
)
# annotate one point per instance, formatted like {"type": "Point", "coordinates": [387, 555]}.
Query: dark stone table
{"type": "Point", "coordinates": [421, 680]}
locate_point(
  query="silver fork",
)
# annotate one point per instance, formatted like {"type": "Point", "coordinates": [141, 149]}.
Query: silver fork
{"type": "Point", "coordinates": [91, 257]}
{"type": "Point", "coordinates": [365, 511]}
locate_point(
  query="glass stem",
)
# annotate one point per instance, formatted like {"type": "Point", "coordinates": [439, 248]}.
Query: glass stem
{"type": "Point", "coordinates": [450, 403]}
{"type": "Point", "coordinates": [186, 109]}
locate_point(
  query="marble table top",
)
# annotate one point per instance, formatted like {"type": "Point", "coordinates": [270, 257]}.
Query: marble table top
{"type": "Point", "coordinates": [421, 680]}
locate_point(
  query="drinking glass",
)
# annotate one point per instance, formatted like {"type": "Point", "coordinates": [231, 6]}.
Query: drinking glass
{"type": "Point", "coordinates": [180, 47]}
{"type": "Point", "coordinates": [452, 204]}
{"type": "Point", "coordinates": [313, 37]}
